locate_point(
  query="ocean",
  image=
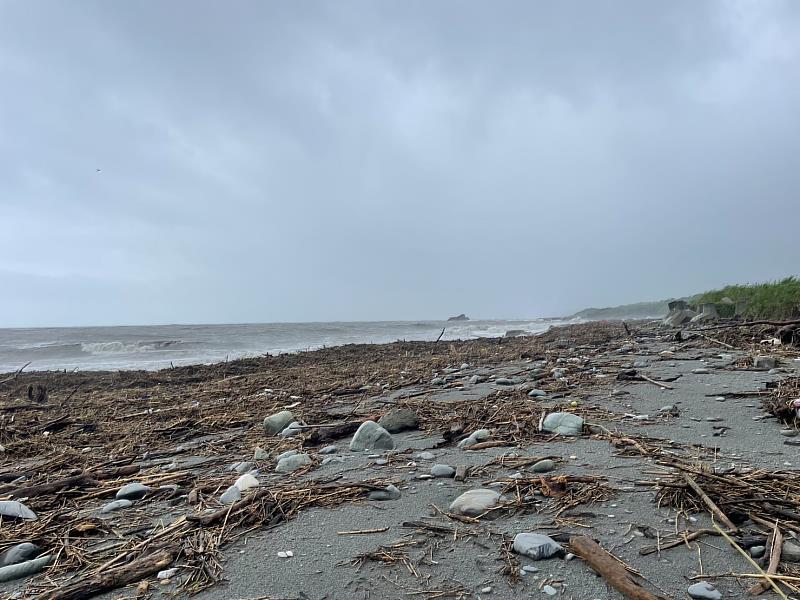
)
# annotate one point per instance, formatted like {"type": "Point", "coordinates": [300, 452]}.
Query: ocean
{"type": "Point", "coordinates": [157, 347]}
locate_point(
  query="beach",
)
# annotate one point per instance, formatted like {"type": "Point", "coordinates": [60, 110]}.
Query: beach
{"type": "Point", "coordinates": [652, 410]}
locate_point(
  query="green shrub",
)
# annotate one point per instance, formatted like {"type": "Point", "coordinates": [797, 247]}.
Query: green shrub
{"type": "Point", "coordinates": [772, 300]}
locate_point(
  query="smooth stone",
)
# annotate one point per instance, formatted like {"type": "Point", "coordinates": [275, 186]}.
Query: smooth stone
{"type": "Point", "coordinates": [16, 510]}
{"type": "Point", "coordinates": [426, 456]}
{"type": "Point", "coordinates": [330, 459]}
{"type": "Point", "coordinates": [701, 371]}
{"type": "Point", "coordinates": [19, 553]}
{"type": "Point", "coordinates": [260, 454]}
{"type": "Point", "coordinates": [790, 552]}
{"type": "Point", "coordinates": [243, 467]}
{"type": "Point", "coordinates": [475, 379]}
{"type": "Point", "coordinates": [788, 432]}
{"type": "Point", "coordinates": [292, 429]}
{"type": "Point", "coordinates": [286, 454]}
{"type": "Point", "coordinates": [563, 424]}
{"type": "Point", "coordinates": [536, 546]}
{"type": "Point", "coordinates": [231, 495]}
{"type": "Point", "coordinates": [543, 466]}
{"type": "Point", "coordinates": [132, 491]}
{"type": "Point", "coordinates": [757, 551]}
{"type": "Point", "coordinates": [276, 423]}
{"type": "Point", "coordinates": [116, 505]}
{"type": "Point", "coordinates": [167, 573]}
{"type": "Point", "coordinates": [467, 442]}
{"type": "Point", "coordinates": [246, 482]}
{"type": "Point", "coordinates": [390, 493]}
{"type": "Point", "coordinates": [549, 590]}
{"type": "Point", "coordinates": [381, 461]}
{"type": "Point", "coordinates": [399, 419]}
{"type": "Point", "coordinates": [437, 381]}
{"type": "Point", "coordinates": [293, 463]}
{"type": "Point", "coordinates": [504, 381]}
{"type": "Point", "coordinates": [443, 471]}
{"type": "Point", "coordinates": [328, 450]}
{"type": "Point", "coordinates": [703, 590]}
{"type": "Point", "coordinates": [481, 435]}
{"type": "Point", "coordinates": [23, 569]}
{"type": "Point", "coordinates": [474, 502]}
{"type": "Point", "coordinates": [537, 394]}
{"type": "Point", "coordinates": [371, 436]}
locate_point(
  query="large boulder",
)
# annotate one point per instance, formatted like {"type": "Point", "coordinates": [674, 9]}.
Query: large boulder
{"type": "Point", "coordinates": [474, 502]}
{"type": "Point", "coordinates": [276, 423]}
{"type": "Point", "coordinates": [398, 419]}
{"type": "Point", "coordinates": [371, 436]}
{"type": "Point", "coordinates": [679, 317]}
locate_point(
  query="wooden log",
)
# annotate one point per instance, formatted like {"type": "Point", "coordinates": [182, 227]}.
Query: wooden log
{"type": "Point", "coordinates": [775, 546]}
{"type": "Point", "coordinates": [715, 510]}
{"type": "Point", "coordinates": [610, 569]}
{"type": "Point", "coordinates": [113, 578]}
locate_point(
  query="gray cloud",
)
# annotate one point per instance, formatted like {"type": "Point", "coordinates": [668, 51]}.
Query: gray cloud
{"type": "Point", "coordinates": [380, 160]}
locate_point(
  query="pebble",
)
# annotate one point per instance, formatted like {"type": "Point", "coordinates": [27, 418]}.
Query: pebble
{"type": "Point", "coordinates": [390, 493]}
{"type": "Point", "coordinates": [285, 554]}
{"type": "Point", "coordinates": [398, 419]}
{"type": "Point", "coordinates": [789, 432]}
{"type": "Point", "coordinates": [292, 429]}
{"type": "Point", "coordinates": [474, 503]}
{"type": "Point", "coordinates": [381, 461]}
{"type": "Point", "coordinates": [116, 505]}
{"type": "Point", "coordinates": [475, 379]}
{"type": "Point", "coordinates": [536, 546]}
{"type": "Point", "coordinates": [19, 553]}
{"type": "Point", "coordinates": [437, 381]}
{"type": "Point", "coordinates": [504, 381]}
{"type": "Point", "coordinates": [328, 450]}
{"type": "Point", "coordinates": [246, 482]}
{"type": "Point", "coordinates": [529, 569]}
{"type": "Point", "coordinates": [486, 590]}
{"type": "Point", "coordinates": [757, 551]}
{"type": "Point", "coordinates": [701, 371]}
{"type": "Point", "coordinates": [704, 591]}
{"type": "Point", "coordinates": [260, 454]}
{"type": "Point", "coordinates": [425, 456]}
{"type": "Point", "coordinates": [293, 463]}
{"type": "Point", "coordinates": [132, 491]}
{"type": "Point", "coordinates": [537, 394]}
{"type": "Point", "coordinates": [276, 423]}
{"type": "Point", "coordinates": [167, 573]}
{"type": "Point", "coordinates": [443, 471]}
{"type": "Point", "coordinates": [371, 436]}
{"type": "Point", "coordinates": [549, 590]}
{"type": "Point", "coordinates": [243, 467]}
{"type": "Point", "coordinates": [286, 454]}
{"type": "Point", "coordinates": [563, 424]}
{"type": "Point", "coordinates": [543, 466]}
{"type": "Point", "coordinates": [231, 495]}
{"type": "Point", "coordinates": [330, 459]}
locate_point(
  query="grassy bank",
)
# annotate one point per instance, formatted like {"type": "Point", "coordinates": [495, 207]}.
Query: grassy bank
{"type": "Point", "coordinates": [772, 300]}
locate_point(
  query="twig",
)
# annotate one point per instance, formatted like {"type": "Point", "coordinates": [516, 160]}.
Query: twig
{"type": "Point", "coordinates": [751, 561]}
{"type": "Point", "coordinates": [710, 503]}
{"type": "Point", "coordinates": [18, 371]}
{"type": "Point", "coordinates": [363, 531]}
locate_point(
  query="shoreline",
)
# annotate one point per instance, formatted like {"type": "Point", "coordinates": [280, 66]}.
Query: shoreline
{"type": "Point", "coordinates": [178, 431]}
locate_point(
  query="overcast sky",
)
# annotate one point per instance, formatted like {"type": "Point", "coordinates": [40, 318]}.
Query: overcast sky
{"type": "Point", "coordinates": [196, 161]}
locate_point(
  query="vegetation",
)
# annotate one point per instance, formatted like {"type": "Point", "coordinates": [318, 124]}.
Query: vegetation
{"type": "Point", "coordinates": [773, 300]}
{"type": "Point", "coordinates": [640, 310]}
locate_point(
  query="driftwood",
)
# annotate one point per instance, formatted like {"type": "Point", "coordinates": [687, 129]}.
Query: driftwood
{"type": "Point", "coordinates": [774, 547]}
{"type": "Point", "coordinates": [113, 578]}
{"type": "Point", "coordinates": [715, 510]}
{"type": "Point", "coordinates": [609, 568]}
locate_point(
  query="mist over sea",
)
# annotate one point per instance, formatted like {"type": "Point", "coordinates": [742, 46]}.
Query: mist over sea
{"type": "Point", "coordinates": [156, 347]}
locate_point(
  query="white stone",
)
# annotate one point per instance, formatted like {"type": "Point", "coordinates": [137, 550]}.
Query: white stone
{"type": "Point", "coordinates": [475, 502]}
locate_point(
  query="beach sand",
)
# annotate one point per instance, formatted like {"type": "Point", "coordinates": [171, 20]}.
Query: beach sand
{"type": "Point", "coordinates": [186, 426]}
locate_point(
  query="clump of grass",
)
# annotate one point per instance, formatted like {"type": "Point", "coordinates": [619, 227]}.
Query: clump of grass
{"type": "Point", "coordinates": [771, 300]}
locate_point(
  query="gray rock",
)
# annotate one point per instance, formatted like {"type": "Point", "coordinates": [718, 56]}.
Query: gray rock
{"type": "Point", "coordinates": [678, 317]}
{"type": "Point", "coordinates": [670, 409]}
{"type": "Point", "coordinates": [475, 379]}
{"type": "Point", "coordinates": [481, 435]}
{"type": "Point", "coordinates": [537, 394]}
{"type": "Point", "coordinates": [437, 381]}
{"type": "Point", "coordinates": [276, 423]}
{"type": "Point", "coordinates": [116, 505]}
{"type": "Point", "coordinates": [371, 436]}
{"type": "Point", "coordinates": [559, 373]}
{"type": "Point", "coordinates": [167, 573]}
{"type": "Point", "coordinates": [640, 364]}
{"type": "Point", "coordinates": [474, 502]}
{"type": "Point", "coordinates": [563, 424]}
{"type": "Point", "coordinates": [16, 510]}
{"type": "Point", "coordinates": [504, 381]}
{"type": "Point", "coordinates": [426, 456]}
{"type": "Point", "coordinates": [788, 432]}
{"type": "Point", "coordinates": [701, 371]}
{"type": "Point", "coordinates": [703, 590]}
{"type": "Point", "coordinates": [328, 450]}
{"type": "Point", "coordinates": [390, 493]}
{"type": "Point", "coordinates": [790, 552]}
{"type": "Point", "coordinates": [330, 459]}
{"type": "Point", "coordinates": [293, 463]}
{"type": "Point", "coordinates": [536, 546]}
{"type": "Point", "coordinates": [23, 569]}
{"type": "Point", "coordinates": [549, 590]}
{"type": "Point", "coordinates": [292, 429]}
{"type": "Point", "coordinates": [398, 419]}
{"type": "Point", "coordinates": [260, 454]}
{"type": "Point", "coordinates": [243, 467]}
{"type": "Point", "coordinates": [443, 471]}
{"type": "Point", "coordinates": [757, 551]}
{"type": "Point", "coordinates": [231, 495]}
{"type": "Point", "coordinates": [132, 491]}
{"type": "Point", "coordinates": [286, 454]}
{"type": "Point", "coordinates": [19, 553]}
{"type": "Point", "coordinates": [543, 466]}
{"type": "Point", "coordinates": [765, 362]}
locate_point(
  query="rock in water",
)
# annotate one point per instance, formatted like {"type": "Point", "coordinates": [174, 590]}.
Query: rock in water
{"type": "Point", "coordinates": [474, 502]}
{"type": "Point", "coordinates": [703, 590]}
{"type": "Point", "coordinates": [19, 553]}
{"type": "Point", "coordinates": [371, 436]}
{"type": "Point", "coordinates": [132, 491]}
{"type": "Point", "coordinates": [536, 546]}
{"type": "Point", "coordinates": [293, 463]}
{"type": "Point", "coordinates": [390, 493]}
{"type": "Point", "coordinates": [16, 510]}
{"type": "Point", "coordinates": [116, 505]}
{"type": "Point", "coordinates": [276, 423]}
{"type": "Point", "coordinates": [543, 466]}
{"type": "Point", "coordinates": [231, 495]}
{"type": "Point", "coordinates": [443, 471]}
{"type": "Point", "coordinates": [398, 419]}
{"type": "Point", "coordinates": [563, 423]}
